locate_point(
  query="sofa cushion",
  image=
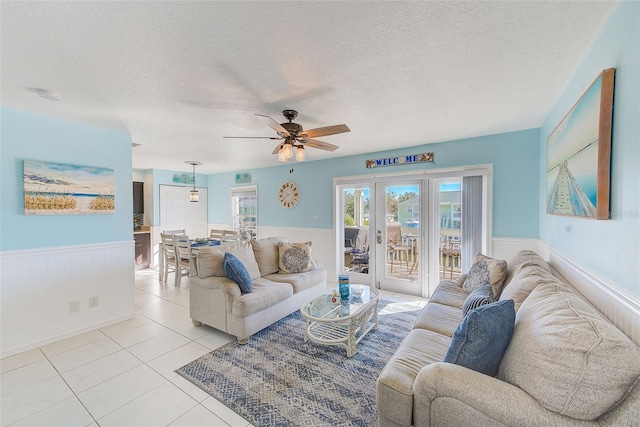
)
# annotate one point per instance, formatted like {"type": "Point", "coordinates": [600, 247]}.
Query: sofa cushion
{"type": "Point", "coordinates": [526, 278]}
{"type": "Point", "coordinates": [486, 270]}
{"type": "Point", "coordinates": [449, 293]}
{"type": "Point", "coordinates": [265, 294]}
{"type": "Point", "coordinates": [522, 259]}
{"type": "Point", "coordinates": [301, 281]}
{"type": "Point", "coordinates": [439, 318]}
{"type": "Point", "coordinates": [294, 257]}
{"type": "Point", "coordinates": [394, 393]}
{"type": "Point", "coordinates": [481, 296]}
{"type": "Point", "coordinates": [567, 356]}
{"type": "Point", "coordinates": [482, 337]}
{"type": "Point", "coordinates": [235, 271]}
{"type": "Point", "coordinates": [209, 260]}
{"type": "Point", "coordinates": [267, 254]}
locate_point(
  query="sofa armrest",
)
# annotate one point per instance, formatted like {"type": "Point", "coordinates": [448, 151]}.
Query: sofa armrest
{"type": "Point", "coordinates": [447, 394]}
{"type": "Point", "coordinates": [228, 286]}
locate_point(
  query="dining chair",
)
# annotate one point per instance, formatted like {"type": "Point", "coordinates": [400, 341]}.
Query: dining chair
{"type": "Point", "coordinates": [230, 236]}
{"type": "Point", "coordinates": [216, 234]}
{"type": "Point", "coordinates": [180, 232]}
{"type": "Point", "coordinates": [183, 257]}
{"type": "Point", "coordinates": [168, 255]}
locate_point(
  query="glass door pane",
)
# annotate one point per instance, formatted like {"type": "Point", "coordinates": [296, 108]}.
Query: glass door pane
{"type": "Point", "coordinates": [355, 230]}
{"type": "Point", "coordinates": [398, 230]}
{"type": "Point", "coordinates": [449, 230]}
{"type": "Point", "coordinates": [244, 211]}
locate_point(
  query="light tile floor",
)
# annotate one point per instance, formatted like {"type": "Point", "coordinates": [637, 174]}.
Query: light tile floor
{"type": "Point", "coordinates": [123, 374]}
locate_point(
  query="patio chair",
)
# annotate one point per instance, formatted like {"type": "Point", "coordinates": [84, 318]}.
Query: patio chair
{"type": "Point", "coordinates": [398, 251]}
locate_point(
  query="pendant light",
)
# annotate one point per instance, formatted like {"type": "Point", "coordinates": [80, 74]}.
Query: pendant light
{"type": "Point", "coordinates": [193, 194]}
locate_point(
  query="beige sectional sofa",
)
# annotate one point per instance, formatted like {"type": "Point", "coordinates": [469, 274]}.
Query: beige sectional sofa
{"type": "Point", "coordinates": [218, 302]}
{"type": "Point", "coordinates": [566, 365]}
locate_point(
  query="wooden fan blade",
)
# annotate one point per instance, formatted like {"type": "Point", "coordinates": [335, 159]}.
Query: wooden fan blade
{"type": "Point", "coordinates": [314, 143]}
{"type": "Point", "coordinates": [275, 151]}
{"type": "Point", "coordinates": [325, 131]}
{"type": "Point", "coordinates": [273, 125]}
{"type": "Point", "coordinates": [253, 137]}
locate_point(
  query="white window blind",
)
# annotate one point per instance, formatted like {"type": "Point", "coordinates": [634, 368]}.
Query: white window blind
{"type": "Point", "coordinates": [472, 220]}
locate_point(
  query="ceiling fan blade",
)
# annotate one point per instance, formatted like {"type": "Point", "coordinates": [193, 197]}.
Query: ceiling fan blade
{"type": "Point", "coordinates": [325, 131]}
{"type": "Point", "coordinates": [253, 137]}
{"type": "Point", "coordinates": [275, 151]}
{"type": "Point", "coordinates": [273, 125]}
{"type": "Point", "coordinates": [314, 143]}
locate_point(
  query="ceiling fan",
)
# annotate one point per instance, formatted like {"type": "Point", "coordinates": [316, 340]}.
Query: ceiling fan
{"type": "Point", "coordinates": [292, 136]}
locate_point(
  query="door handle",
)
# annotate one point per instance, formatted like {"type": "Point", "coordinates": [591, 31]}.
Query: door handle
{"type": "Point", "coordinates": [379, 237]}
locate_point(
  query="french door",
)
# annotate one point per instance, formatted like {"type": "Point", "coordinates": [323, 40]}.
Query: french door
{"type": "Point", "coordinates": [405, 233]}
{"type": "Point", "coordinates": [400, 219]}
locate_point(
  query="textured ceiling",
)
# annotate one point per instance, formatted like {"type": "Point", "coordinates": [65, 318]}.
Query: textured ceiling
{"type": "Point", "coordinates": [178, 76]}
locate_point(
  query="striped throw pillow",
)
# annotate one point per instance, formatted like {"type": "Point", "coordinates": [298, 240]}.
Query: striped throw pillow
{"type": "Point", "coordinates": [481, 296]}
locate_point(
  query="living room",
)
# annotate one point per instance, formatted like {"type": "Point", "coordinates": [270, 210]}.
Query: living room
{"type": "Point", "coordinates": [49, 260]}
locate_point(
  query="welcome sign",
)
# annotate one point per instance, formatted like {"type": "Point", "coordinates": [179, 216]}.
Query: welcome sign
{"type": "Point", "coordinates": [399, 160]}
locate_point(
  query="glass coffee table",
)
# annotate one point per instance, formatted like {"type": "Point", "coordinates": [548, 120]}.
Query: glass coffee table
{"type": "Point", "coordinates": [344, 322]}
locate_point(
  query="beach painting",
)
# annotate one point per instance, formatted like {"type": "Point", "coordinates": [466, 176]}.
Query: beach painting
{"type": "Point", "coordinates": [60, 189]}
{"type": "Point", "coordinates": [578, 155]}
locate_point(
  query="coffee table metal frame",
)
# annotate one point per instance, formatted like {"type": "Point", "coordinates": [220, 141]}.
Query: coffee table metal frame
{"type": "Point", "coordinates": [344, 323]}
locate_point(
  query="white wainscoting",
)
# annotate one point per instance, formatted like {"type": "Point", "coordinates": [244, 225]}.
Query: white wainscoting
{"type": "Point", "coordinates": [38, 286]}
{"type": "Point", "coordinates": [617, 304]}
{"type": "Point", "coordinates": [506, 247]}
{"type": "Point", "coordinates": [322, 250]}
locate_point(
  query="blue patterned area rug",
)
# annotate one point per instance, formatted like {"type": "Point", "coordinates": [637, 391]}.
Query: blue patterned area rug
{"type": "Point", "coordinates": [279, 380]}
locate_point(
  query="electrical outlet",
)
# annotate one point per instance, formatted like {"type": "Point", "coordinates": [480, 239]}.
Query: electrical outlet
{"type": "Point", "coordinates": [94, 302]}
{"type": "Point", "coordinates": [74, 306]}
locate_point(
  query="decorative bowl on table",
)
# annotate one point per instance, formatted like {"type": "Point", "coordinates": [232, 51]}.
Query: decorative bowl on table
{"type": "Point", "coordinates": [357, 290]}
{"type": "Point", "coordinates": [201, 239]}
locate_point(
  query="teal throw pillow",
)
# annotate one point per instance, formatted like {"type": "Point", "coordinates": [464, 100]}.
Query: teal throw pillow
{"type": "Point", "coordinates": [481, 339]}
{"type": "Point", "coordinates": [481, 296]}
{"type": "Point", "coordinates": [236, 271]}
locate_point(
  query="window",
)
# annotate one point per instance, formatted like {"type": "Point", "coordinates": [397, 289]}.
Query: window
{"type": "Point", "coordinates": [244, 210]}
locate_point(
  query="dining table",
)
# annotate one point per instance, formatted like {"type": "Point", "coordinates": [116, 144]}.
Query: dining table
{"type": "Point", "coordinates": [195, 245]}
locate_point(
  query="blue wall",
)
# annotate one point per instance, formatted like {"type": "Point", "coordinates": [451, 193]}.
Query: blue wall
{"type": "Point", "coordinates": [515, 158]}
{"type": "Point", "coordinates": [610, 248]}
{"type": "Point", "coordinates": [32, 136]}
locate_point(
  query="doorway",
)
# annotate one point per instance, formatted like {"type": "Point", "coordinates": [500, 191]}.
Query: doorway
{"type": "Point", "coordinates": [405, 233]}
{"type": "Point", "coordinates": [399, 222]}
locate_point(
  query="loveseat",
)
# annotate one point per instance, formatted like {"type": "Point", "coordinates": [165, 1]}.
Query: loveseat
{"type": "Point", "coordinates": [218, 301]}
{"type": "Point", "coordinates": [565, 364]}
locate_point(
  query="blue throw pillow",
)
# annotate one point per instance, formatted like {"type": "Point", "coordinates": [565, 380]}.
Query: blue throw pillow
{"type": "Point", "coordinates": [481, 339]}
{"type": "Point", "coordinates": [236, 271]}
{"type": "Point", "coordinates": [481, 296]}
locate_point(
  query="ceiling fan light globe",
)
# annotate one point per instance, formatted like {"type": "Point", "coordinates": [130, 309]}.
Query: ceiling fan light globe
{"type": "Point", "coordinates": [288, 151]}
{"type": "Point", "coordinates": [300, 154]}
{"type": "Point", "coordinates": [281, 157]}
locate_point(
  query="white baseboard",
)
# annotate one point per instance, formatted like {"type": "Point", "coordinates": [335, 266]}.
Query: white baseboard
{"type": "Point", "coordinates": [51, 340]}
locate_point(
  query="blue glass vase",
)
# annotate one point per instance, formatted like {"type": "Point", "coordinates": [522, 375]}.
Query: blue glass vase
{"type": "Point", "coordinates": [343, 286]}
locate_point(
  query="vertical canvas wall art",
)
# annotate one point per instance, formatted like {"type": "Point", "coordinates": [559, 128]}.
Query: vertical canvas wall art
{"type": "Point", "coordinates": [579, 154]}
{"type": "Point", "coordinates": [57, 188]}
